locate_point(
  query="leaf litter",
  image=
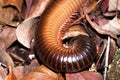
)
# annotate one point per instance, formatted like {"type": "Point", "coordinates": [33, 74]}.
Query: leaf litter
{"type": "Point", "coordinates": [18, 19]}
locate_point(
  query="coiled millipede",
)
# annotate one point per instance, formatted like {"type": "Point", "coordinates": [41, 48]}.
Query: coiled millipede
{"type": "Point", "coordinates": [54, 22]}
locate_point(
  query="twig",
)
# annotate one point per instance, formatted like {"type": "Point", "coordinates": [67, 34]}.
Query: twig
{"type": "Point", "coordinates": [106, 58]}
{"type": "Point", "coordinates": [102, 53]}
{"type": "Point", "coordinates": [3, 65]}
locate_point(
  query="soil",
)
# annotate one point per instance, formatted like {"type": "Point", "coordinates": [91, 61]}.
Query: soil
{"type": "Point", "coordinates": [114, 67]}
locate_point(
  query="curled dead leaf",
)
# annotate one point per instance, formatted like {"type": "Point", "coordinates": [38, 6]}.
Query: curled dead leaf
{"type": "Point", "coordinates": [104, 5]}
{"type": "Point", "coordinates": [25, 31]}
{"type": "Point", "coordinates": [33, 72]}
{"type": "Point", "coordinates": [84, 75]}
{"type": "Point", "coordinates": [11, 75]}
{"type": "Point", "coordinates": [9, 15]}
{"type": "Point", "coordinates": [36, 76]}
{"type": "Point", "coordinates": [16, 3]}
{"type": "Point", "coordinates": [7, 37]}
{"type": "Point", "coordinates": [6, 59]}
{"type": "Point", "coordinates": [60, 77]}
{"type": "Point", "coordinates": [3, 73]}
{"type": "Point", "coordinates": [20, 71]}
{"type": "Point", "coordinates": [35, 7]}
{"type": "Point", "coordinates": [113, 5]}
{"type": "Point", "coordinates": [47, 71]}
{"type": "Point", "coordinates": [113, 26]}
{"type": "Point", "coordinates": [38, 9]}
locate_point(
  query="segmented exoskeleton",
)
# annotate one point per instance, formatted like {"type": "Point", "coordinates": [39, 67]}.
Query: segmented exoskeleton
{"type": "Point", "coordinates": [54, 22]}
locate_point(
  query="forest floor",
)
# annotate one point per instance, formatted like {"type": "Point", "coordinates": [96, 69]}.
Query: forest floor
{"type": "Point", "coordinates": [114, 67]}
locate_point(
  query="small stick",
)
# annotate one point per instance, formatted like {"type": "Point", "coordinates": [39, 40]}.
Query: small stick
{"type": "Point", "coordinates": [3, 65]}
{"type": "Point", "coordinates": [106, 58]}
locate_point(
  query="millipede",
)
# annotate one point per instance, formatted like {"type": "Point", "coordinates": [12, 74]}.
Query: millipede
{"type": "Point", "coordinates": [53, 24]}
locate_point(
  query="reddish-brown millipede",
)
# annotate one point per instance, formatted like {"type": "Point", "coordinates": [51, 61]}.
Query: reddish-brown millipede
{"type": "Point", "coordinates": [54, 22]}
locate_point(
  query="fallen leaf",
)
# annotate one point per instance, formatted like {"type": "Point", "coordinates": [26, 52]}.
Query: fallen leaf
{"type": "Point", "coordinates": [35, 7]}
{"type": "Point", "coordinates": [91, 75]}
{"type": "Point", "coordinates": [37, 76]}
{"type": "Point", "coordinates": [113, 26]}
{"type": "Point", "coordinates": [114, 5]}
{"type": "Point", "coordinates": [60, 77]}
{"type": "Point", "coordinates": [24, 72]}
{"type": "Point", "coordinates": [38, 9]}
{"type": "Point", "coordinates": [112, 51]}
{"type": "Point", "coordinates": [84, 75]}
{"type": "Point", "coordinates": [20, 71]}
{"type": "Point", "coordinates": [2, 2]}
{"type": "Point", "coordinates": [9, 15]}
{"type": "Point", "coordinates": [6, 59]}
{"type": "Point", "coordinates": [47, 71]}
{"type": "Point", "coordinates": [25, 31]}
{"type": "Point", "coordinates": [104, 5]}
{"type": "Point", "coordinates": [19, 53]}
{"type": "Point", "coordinates": [3, 73]}
{"type": "Point", "coordinates": [7, 37]}
{"type": "Point", "coordinates": [26, 8]}
{"type": "Point", "coordinates": [11, 75]}
{"type": "Point", "coordinates": [34, 72]}
{"type": "Point", "coordinates": [16, 3]}
{"type": "Point", "coordinates": [101, 64]}
{"type": "Point", "coordinates": [1, 78]}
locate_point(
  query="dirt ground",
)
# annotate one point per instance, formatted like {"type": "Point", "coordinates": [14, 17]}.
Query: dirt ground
{"type": "Point", "coordinates": [114, 67]}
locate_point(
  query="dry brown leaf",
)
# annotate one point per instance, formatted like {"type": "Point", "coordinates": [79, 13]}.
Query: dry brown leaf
{"type": "Point", "coordinates": [37, 10]}
{"type": "Point", "coordinates": [6, 59]}
{"type": "Point", "coordinates": [1, 78]}
{"type": "Point", "coordinates": [19, 53]}
{"type": "Point", "coordinates": [11, 75]}
{"type": "Point", "coordinates": [34, 8]}
{"type": "Point", "coordinates": [104, 5]}
{"type": "Point", "coordinates": [47, 71]}
{"type": "Point", "coordinates": [3, 73]}
{"type": "Point", "coordinates": [110, 5]}
{"type": "Point", "coordinates": [85, 75]}
{"type": "Point", "coordinates": [7, 36]}
{"type": "Point", "coordinates": [101, 61]}
{"type": "Point", "coordinates": [37, 76]}
{"type": "Point", "coordinates": [20, 71]}
{"type": "Point", "coordinates": [25, 31]}
{"type": "Point", "coordinates": [16, 3]}
{"type": "Point", "coordinates": [26, 8]}
{"type": "Point", "coordinates": [24, 72]}
{"type": "Point", "coordinates": [113, 5]}
{"type": "Point", "coordinates": [32, 72]}
{"type": "Point", "coordinates": [113, 26]}
{"type": "Point", "coordinates": [9, 15]}
{"type": "Point", "coordinates": [112, 51]}
{"type": "Point", "coordinates": [60, 77]}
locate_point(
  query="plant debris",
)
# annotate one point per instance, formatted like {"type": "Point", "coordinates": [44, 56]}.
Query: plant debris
{"type": "Point", "coordinates": [18, 20]}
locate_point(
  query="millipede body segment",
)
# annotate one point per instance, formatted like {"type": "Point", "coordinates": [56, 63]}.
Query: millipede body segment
{"type": "Point", "coordinates": [54, 22]}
